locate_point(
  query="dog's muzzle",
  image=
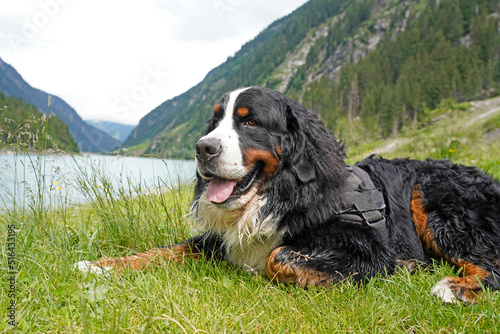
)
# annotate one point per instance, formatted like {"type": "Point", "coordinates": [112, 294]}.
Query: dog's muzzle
{"type": "Point", "coordinates": [207, 149]}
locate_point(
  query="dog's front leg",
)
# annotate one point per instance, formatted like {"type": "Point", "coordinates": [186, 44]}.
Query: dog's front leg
{"type": "Point", "coordinates": [194, 248]}
{"type": "Point", "coordinates": [152, 257]}
{"type": "Point", "coordinates": [317, 267]}
{"type": "Point", "coordinates": [287, 266]}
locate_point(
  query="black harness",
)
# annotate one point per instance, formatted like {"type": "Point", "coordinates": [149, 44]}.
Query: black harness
{"type": "Point", "coordinates": [362, 203]}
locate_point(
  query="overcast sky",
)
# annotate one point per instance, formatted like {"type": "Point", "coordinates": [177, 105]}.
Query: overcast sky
{"type": "Point", "coordinates": [118, 59]}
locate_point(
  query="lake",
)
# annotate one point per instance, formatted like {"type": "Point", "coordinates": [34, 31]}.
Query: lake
{"type": "Point", "coordinates": [57, 179]}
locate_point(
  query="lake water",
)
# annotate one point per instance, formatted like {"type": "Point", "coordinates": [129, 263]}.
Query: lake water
{"type": "Point", "coordinates": [57, 179]}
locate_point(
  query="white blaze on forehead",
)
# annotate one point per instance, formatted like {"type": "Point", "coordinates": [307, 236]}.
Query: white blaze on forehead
{"type": "Point", "coordinates": [231, 158]}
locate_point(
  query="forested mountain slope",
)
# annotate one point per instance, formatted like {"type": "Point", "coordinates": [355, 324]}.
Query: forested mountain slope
{"type": "Point", "coordinates": [377, 65]}
{"type": "Point", "coordinates": [88, 138]}
{"type": "Point", "coordinates": [23, 124]}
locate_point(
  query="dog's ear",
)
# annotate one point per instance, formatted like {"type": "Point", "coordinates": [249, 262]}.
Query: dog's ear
{"type": "Point", "coordinates": [296, 143]}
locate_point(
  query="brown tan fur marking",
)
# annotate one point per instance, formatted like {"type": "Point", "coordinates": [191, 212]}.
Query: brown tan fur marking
{"type": "Point", "coordinates": [176, 253]}
{"type": "Point", "coordinates": [287, 273]}
{"type": "Point", "coordinates": [420, 220]}
{"type": "Point", "coordinates": [217, 108]}
{"type": "Point", "coordinates": [466, 288]}
{"type": "Point", "coordinates": [270, 160]}
{"type": "Point", "coordinates": [278, 149]}
{"type": "Point", "coordinates": [242, 112]}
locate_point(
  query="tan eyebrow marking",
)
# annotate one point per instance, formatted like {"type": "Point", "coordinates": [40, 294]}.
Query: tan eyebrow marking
{"type": "Point", "coordinates": [217, 108]}
{"type": "Point", "coordinates": [243, 111]}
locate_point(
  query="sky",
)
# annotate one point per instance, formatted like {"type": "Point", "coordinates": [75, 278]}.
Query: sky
{"type": "Point", "coordinates": [117, 60]}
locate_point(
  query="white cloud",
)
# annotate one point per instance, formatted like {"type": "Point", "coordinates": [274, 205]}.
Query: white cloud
{"type": "Point", "coordinates": [216, 20]}
{"type": "Point", "coordinates": [117, 60]}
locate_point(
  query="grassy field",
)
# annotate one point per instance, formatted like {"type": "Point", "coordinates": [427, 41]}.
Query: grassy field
{"type": "Point", "coordinates": [209, 297]}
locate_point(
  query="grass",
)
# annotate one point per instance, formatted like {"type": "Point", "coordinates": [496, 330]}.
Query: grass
{"type": "Point", "coordinates": [211, 297]}
{"type": "Point", "coordinates": [456, 134]}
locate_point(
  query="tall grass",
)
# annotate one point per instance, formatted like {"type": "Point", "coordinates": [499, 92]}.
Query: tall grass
{"type": "Point", "coordinates": [122, 218]}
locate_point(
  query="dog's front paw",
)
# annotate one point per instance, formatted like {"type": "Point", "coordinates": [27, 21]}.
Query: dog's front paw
{"type": "Point", "coordinates": [92, 267]}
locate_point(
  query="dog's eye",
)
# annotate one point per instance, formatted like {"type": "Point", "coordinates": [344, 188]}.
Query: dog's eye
{"type": "Point", "coordinates": [216, 123]}
{"type": "Point", "coordinates": [251, 123]}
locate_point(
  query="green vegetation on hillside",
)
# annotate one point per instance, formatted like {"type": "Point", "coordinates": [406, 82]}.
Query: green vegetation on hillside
{"type": "Point", "coordinates": [452, 50]}
{"type": "Point", "coordinates": [427, 51]}
{"type": "Point", "coordinates": [173, 127]}
{"type": "Point", "coordinates": [22, 124]}
{"type": "Point", "coordinates": [464, 134]}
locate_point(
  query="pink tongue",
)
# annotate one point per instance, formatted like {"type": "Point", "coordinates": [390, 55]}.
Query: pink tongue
{"type": "Point", "coordinates": [219, 190]}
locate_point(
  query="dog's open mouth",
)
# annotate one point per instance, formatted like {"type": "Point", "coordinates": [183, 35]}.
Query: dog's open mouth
{"type": "Point", "coordinates": [222, 190]}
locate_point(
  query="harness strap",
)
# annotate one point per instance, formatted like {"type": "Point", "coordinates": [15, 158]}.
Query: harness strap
{"type": "Point", "coordinates": [362, 203]}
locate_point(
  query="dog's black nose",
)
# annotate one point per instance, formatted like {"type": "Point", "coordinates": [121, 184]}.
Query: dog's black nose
{"type": "Point", "coordinates": [207, 149]}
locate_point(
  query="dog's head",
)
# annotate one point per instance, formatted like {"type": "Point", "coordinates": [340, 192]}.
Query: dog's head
{"type": "Point", "coordinates": [256, 138]}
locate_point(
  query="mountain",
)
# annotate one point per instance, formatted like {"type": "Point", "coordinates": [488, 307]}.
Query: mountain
{"type": "Point", "coordinates": [23, 124]}
{"type": "Point", "coordinates": [88, 138]}
{"type": "Point", "coordinates": [367, 67]}
{"type": "Point", "coordinates": [118, 131]}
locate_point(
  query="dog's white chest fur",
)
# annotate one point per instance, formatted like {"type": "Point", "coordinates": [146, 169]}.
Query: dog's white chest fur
{"type": "Point", "coordinates": [247, 239]}
{"type": "Point", "coordinates": [251, 254]}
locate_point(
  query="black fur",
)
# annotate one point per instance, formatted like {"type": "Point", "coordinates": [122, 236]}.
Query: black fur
{"type": "Point", "coordinates": [462, 203]}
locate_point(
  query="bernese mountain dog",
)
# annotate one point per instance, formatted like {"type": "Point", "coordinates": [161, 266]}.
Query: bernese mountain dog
{"type": "Point", "coordinates": [274, 196]}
